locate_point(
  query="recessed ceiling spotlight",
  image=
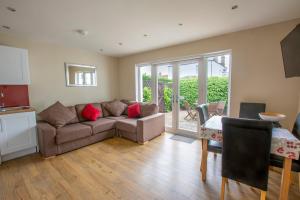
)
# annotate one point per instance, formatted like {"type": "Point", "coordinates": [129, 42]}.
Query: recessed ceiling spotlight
{"type": "Point", "coordinates": [82, 32]}
{"type": "Point", "coordinates": [234, 7]}
{"type": "Point", "coordinates": [120, 43]}
{"type": "Point", "coordinates": [146, 35]}
{"type": "Point", "coordinates": [11, 9]}
{"type": "Point", "coordinates": [6, 27]}
{"type": "Point", "coordinates": [180, 24]}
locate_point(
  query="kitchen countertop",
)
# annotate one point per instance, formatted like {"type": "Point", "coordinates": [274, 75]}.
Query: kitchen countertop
{"type": "Point", "coordinates": [13, 110]}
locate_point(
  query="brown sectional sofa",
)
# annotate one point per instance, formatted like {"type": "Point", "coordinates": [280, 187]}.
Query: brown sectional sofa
{"type": "Point", "coordinates": [79, 132]}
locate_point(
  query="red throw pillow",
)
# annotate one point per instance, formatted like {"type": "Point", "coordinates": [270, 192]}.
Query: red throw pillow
{"type": "Point", "coordinates": [90, 112]}
{"type": "Point", "coordinates": [134, 110]}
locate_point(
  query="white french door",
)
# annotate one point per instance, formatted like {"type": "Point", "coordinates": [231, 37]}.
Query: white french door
{"type": "Point", "coordinates": [177, 92]}
{"type": "Point", "coordinates": [179, 86]}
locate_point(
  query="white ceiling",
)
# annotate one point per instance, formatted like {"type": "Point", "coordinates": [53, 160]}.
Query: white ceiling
{"type": "Point", "coordinates": [112, 21]}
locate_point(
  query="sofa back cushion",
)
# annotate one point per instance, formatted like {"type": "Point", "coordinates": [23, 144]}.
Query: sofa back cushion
{"type": "Point", "coordinates": [80, 107]}
{"type": "Point", "coordinates": [57, 115]}
{"type": "Point", "coordinates": [116, 108]}
{"type": "Point", "coordinates": [73, 110]}
{"type": "Point", "coordinates": [148, 109]}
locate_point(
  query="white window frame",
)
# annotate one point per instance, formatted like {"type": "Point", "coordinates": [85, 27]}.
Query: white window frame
{"type": "Point", "coordinates": [175, 62]}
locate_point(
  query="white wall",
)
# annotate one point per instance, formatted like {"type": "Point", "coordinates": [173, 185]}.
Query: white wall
{"type": "Point", "coordinates": [257, 68]}
{"type": "Point", "coordinates": [47, 73]}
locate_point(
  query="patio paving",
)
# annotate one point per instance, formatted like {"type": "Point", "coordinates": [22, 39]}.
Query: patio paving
{"type": "Point", "coordinates": [186, 124]}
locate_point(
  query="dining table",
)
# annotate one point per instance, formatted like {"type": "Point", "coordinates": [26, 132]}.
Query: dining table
{"type": "Point", "coordinates": [283, 144]}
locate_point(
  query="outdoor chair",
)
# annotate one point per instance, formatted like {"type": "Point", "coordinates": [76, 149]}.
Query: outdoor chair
{"type": "Point", "coordinates": [216, 108]}
{"type": "Point", "coordinates": [191, 113]}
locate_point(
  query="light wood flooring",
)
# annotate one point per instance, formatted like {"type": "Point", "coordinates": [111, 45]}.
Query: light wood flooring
{"type": "Point", "coordinates": [120, 169]}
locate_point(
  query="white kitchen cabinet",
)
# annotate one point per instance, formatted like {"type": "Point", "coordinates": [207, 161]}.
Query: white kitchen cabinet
{"type": "Point", "coordinates": [17, 134]}
{"type": "Point", "coordinates": [14, 68]}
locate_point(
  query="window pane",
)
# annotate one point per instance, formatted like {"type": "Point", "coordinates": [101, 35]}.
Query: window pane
{"type": "Point", "coordinates": [188, 95]}
{"type": "Point", "coordinates": [88, 79]}
{"type": "Point", "coordinates": [78, 78]}
{"type": "Point", "coordinates": [217, 84]}
{"type": "Point", "coordinates": [145, 84]}
{"type": "Point", "coordinates": [165, 92]}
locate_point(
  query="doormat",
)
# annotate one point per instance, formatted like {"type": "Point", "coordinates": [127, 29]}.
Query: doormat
{"type": "Point", "coordinates": [182, 139]}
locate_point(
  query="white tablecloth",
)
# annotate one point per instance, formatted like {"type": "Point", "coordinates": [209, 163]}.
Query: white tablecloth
{"type": "Point", "coordinates": [284, 143]}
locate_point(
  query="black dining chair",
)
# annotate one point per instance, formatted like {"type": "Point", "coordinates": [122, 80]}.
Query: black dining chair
{"type": "Point", "coordinates": [212, 146]}
{"type": "Point", "coordinates": [203, 116]}
{"type": "Point", "coordinates": [251, 110]}
{"type": "Point", "coordinates": [277, 161]}
{"type": "Point", "coordinates": [246, 152]}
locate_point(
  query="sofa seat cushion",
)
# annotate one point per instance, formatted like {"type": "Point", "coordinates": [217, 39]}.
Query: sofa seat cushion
{"type": "Point", "coordinates": [102, 124]}
{"type": "Point", "coordinates": [128, 125]}
{"type": "Point", "coordinates": [117, 118]}
{"type": "Point", "coordinates": [72, 132]}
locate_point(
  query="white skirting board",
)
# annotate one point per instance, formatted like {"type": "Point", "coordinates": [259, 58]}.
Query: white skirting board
{"type": "Point", "coordinates": [18, 154]}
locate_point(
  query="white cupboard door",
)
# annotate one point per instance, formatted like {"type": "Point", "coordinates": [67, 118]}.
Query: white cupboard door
{"type": "Point", "coordinates": [17, 132]}
{"type": "Point", "coordinates": [14, 68]}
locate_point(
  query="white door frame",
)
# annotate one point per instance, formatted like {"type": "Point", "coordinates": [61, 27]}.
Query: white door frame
{"type": "Point", "coordinates": [202, 77]}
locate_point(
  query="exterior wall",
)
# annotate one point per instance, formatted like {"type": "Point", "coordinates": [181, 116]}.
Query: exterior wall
{"type": "Point", "coordinates": [257, 67]}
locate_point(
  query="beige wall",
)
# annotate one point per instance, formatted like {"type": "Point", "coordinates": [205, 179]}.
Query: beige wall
{"type": "Point", "coordinates": [47, 73]}
{"type": "Point", "coordinates": [257, 68]}
{"type": "Point", "coordinates": [299, 104]}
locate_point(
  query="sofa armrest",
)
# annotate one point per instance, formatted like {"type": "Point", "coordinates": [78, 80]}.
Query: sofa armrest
{"type": "Point", "coordinates": [150, 127]}
{"type": "Point", "coordinates": [46, 138]}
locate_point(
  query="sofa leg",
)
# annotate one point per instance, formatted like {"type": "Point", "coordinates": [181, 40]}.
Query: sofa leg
{"type": "Point", "coordinates": [50, 157]}
{"type": "Point", "coordinates": [142, 143]}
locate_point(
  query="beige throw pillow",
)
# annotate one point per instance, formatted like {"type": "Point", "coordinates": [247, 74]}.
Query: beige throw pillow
{"type": "Point", "coordinates": [105, 112]}
{"type": "Point", "coordinates": [116, 108]}
{"type": "Point", "coordinates": [57, 115]}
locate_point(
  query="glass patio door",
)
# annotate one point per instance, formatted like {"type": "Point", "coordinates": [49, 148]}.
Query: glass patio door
{"type": "Point", "coordinates": [165, 93]}
{"type": "Point", "coordinates": [177, 92]}
{"type": "Point", "coordinates": [179, 86]}
{"type": "Point", "coordinates": [188, 93]}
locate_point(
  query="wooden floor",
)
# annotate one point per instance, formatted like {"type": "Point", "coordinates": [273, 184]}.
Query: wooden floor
{"type": "Point", "coordinates": [120, 169]}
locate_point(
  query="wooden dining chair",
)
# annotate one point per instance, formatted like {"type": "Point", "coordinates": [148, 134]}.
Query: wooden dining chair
{"type": "Point", "coordinates": [190, 112]}
{"type": "Point", "coordinates": [251, 110]}
{"type": "Point", "coordinates": [246, 152]}
{"type": "Point", "coordinates": [212, 146]}
{"type": "Point", "coordinates": [277, 161]}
